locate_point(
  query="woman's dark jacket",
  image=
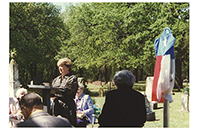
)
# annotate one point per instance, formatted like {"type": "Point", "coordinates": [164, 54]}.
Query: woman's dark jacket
{"type": "Point", "coordinates": [65, 91]}
{"type": "Point", "coordinates": [123, 108]}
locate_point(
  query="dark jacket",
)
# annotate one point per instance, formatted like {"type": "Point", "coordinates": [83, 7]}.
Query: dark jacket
{"type": "Point", "coordinates": [65, 91]}
{"type": "Point", "coordinates": [43, 119]}
{"type": "Point", "coordinates": [123, 108]}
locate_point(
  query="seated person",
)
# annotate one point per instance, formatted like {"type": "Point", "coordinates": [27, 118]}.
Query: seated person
{"type": "Point", "coordinates": [123, 107]}
{"type": "Point", "coordinates": [35, 116]}
{"type": "Point", "coordinates": [15, 115]}
{"type": "Point", "coordinates": [84, 107]}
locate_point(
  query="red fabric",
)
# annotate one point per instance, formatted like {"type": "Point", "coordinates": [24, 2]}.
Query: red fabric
{"type": "Point", "coordinates": [156, 78]}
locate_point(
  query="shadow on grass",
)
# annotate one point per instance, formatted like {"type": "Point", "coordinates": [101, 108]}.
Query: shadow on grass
{"type": "Point", "coordinates": [158, 108]}
{"type": "Point", "coordinates": [154, 120]}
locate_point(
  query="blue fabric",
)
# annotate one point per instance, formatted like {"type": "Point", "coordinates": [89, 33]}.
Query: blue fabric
{"type": "Point", "coordinates": [82, 122]}
{"type": "Point", "coordinates": [165, 43]}
{"type": "Point", "coordinates": [87, 106]}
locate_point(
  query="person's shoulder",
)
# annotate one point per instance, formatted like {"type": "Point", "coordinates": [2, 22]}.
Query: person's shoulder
{"type": "Point", "coordinates": [86, 96]}
{"type": "Point", "coordinates": [56, 78]}
{"type": "Point", "coordinates": [56, 120]}
{"type": "Point", "coordinates": [137, 93]}
{"type": "Point", "coordinates": [55, 81]}
{"type": "Point", "coordinates": [21, 124]}
{"type": "Point", "coordinates": [73, 76]}
{"type": "Point", "coordinates": [59, 76]}
{"type": "Point", "coordinates": [70, 76]}
{"type": "Point", "coordinates": [62, 119]}
{"type": "Point", "coordinates": [112, 92]}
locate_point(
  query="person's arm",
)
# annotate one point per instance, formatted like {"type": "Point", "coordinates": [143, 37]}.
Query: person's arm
{"type": "Point", "coordinates": [71, 86]}
{"type": "Point", "coordinates": [68, 86]}
{"type": "Point", "coordinates": [89, 105]}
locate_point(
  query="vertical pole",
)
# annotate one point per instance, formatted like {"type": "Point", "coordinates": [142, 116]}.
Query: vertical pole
{"type": "Point", "coordinates": [93, 116]}
{"type": "Point", "coordinates": [155, 106]}
{"type": "Point", "coordinates": [46, 98]}
{"type": "Point", "coordinates": [166, 114]}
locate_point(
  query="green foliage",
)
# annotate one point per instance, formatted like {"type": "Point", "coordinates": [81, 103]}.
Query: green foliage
{"type": "Point", "coordinates": [121, 35]}
{"type": "Point", "coordinates": [36, 34]}
{"type": "Point", "coordinates": [93, 100]}
{"type": "Point", "coordinates": [99, 38]}
{"type": "Point", "coordinates": [88, 92]}
{"type": "Point", "coordinates": [186, 89]}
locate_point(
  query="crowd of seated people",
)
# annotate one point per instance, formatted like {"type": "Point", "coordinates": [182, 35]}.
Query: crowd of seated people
{"type": "Point", "coordinates": [70, 107]}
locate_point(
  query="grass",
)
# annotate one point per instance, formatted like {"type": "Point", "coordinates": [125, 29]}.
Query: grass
{"type": "Point", "coordinates": [178, 119]}
{"type": "Point", "coordinates": [140, 86]}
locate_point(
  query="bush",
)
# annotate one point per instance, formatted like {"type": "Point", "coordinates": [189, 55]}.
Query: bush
{"type": "Point", "coordinates": [186, 89]}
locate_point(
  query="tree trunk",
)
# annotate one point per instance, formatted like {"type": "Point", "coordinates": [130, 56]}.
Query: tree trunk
{"type": "Point", "coordinates": [178, 74]}
{"type": "Point", "coordinates": [80, 72]}
{"type": "Point", "coordinates": [31, 71]}
{"type": "Point", "coordinates": [136, 74]}
{"type": "Point", "coordinates": [106, 72]}
{"type": "Point", "coordinates": [141, 74]}
{"type": "Point", "coordinates": [35, 70]}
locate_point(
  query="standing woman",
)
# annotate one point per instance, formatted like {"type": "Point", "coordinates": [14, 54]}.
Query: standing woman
{"type": "Point", "coordinates": [65, 87]}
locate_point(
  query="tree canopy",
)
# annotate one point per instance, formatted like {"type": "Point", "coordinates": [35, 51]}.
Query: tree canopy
{"type": "Point", "coordinates": [36, 34]}
{"type": "Point", "coordinates": [121, 36]}
{"type": "Point", "coordinates": [100, 38]}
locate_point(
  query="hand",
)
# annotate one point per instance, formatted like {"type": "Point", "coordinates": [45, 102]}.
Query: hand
{"type": "Point", "coordinates": [53, 98]}
{"type": "Point", "coordinates": [80, 114]}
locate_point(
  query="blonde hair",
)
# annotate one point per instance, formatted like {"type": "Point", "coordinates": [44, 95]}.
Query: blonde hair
{"type": "Point", "coordinates": [65, 61]}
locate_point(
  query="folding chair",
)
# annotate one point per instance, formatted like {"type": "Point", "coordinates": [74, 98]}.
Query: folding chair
{"type": "Point", "coordinates": [97, 110]}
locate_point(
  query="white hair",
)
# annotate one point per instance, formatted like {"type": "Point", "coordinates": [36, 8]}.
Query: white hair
{"type": "Point", "coordinates": [80, 85]}
{"type": "Point", "coordinates": [124, 79]}
{"type": "Point", "coordinates": [21, 90]}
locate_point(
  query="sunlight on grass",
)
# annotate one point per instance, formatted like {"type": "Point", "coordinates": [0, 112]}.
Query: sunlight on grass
{"type": "Point", "coordinates": [178, 119]}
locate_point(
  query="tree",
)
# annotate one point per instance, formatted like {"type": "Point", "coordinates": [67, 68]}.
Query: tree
{"type": "Point", "coordinates": [106, 37]}
{"type": "Point", "coordinates": [36, 34]}
{"type": "Point", "coordinates": [176, 17]}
